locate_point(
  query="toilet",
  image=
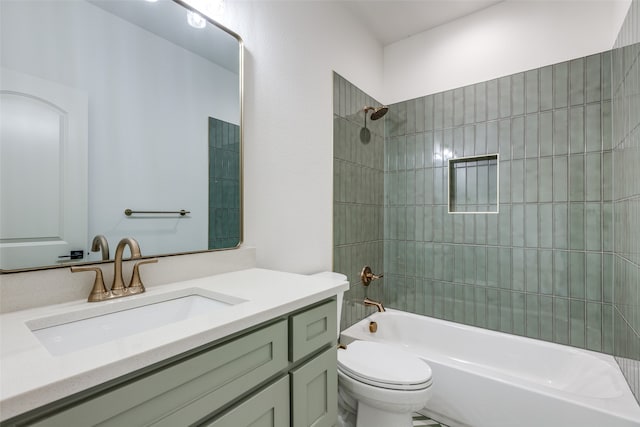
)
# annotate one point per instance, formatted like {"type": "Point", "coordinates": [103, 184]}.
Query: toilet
{"type": "Point", "coordinates": [378, 385]}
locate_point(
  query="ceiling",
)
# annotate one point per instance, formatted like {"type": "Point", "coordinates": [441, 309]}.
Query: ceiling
{"type": "Point", "coordinates": [393, 20]}
{"type": "Point", "coordinates": [168, 20]}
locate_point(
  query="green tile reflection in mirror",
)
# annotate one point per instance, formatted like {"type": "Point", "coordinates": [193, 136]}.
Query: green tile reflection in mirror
{"type": "Point", "coordinates": [224, 184]}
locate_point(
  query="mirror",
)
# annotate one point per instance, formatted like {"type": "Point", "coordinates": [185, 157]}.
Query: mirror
{"type": "Point", "coordinates": [111, 105]}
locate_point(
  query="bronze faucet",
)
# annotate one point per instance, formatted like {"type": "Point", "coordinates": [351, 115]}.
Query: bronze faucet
{"type": "Point", "coordinates": [118, 289]}
{"type": "Point", "coordinates": [376, 304]}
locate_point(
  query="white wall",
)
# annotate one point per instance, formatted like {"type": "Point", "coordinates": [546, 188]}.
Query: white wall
{"type": "Point", "coordinates": [507, 38]}
{"type": "Point", "coordinates": [148, 110]}
{"type": "Point", "coordinates": [291, 50]}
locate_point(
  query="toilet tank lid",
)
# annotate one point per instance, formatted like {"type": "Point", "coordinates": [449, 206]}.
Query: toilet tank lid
{"type": "Point", "coordinates": [335, 277]}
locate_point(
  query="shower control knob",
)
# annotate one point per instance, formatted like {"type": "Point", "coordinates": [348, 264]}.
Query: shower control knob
{"type": "Point", "coordinates": [367, 276]}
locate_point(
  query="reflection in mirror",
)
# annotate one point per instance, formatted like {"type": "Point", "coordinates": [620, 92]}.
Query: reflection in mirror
{"type": "Point", "coordinates": [224, 184]}
{"type": "Point", "coordinates": [110, 105]}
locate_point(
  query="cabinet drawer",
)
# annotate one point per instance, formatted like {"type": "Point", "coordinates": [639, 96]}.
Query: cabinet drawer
{"type": "Point", "coordinates": [268, 408]}
{"type": "Point", "coordinates": [187, 391]}
{"type": "Point", "coordinates": [314, 391]}
{"type": "Point", "coordinates": [312, 329]}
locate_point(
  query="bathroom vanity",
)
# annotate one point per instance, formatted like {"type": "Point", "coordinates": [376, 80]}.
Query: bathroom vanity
{"type": "Point", "coordinates": [268, 358]}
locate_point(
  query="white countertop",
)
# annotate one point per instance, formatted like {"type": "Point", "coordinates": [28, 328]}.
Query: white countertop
{"type": "Point", "coordinates": [31, 377]}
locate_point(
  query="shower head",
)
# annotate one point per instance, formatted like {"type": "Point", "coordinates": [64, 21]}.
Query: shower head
{"type": "Point", "coordinates": [378, 112]}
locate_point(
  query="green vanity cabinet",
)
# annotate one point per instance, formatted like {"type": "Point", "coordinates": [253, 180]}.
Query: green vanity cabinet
{"type": "Point", "coordinates": [281, 373]}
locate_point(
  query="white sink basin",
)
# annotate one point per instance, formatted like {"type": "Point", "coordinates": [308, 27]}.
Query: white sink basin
{"type": "Point", "coordinates": [67, 333]}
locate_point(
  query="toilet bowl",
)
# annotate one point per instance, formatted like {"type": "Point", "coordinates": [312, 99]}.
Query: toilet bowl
{"type": "Point", "coordinates": [380, 385]}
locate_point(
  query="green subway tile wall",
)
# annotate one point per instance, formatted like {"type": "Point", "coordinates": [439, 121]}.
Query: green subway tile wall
{"type": "Point", "coordinates": [224, 184]}
{"type": "Point", "coordinates": [625, 86]}
{"type": "Point", "coordinates": [537, 267]}
{"type": "Point", "coordinates": [358, 189]}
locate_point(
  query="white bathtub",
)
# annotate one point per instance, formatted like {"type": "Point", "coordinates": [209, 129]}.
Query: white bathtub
{"type": "Point", "coordinates": [483, 378]}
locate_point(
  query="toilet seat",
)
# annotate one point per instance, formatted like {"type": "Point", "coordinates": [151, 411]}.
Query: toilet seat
{"type": "Point", "coordinates": [384, 366]}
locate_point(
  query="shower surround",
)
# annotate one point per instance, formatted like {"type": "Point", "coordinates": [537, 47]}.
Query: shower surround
{"type": "Point", "coordinates": [561, 260]}
{"type": "Point", "coordinates": [538, 267]}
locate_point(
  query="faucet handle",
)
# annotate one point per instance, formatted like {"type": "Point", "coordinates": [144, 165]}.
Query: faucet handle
{"type": "Point", "coordinates": [99, 291]}
{"type": "Point", "coordinates": [367, 276]}
{"type": "Point", "coordinates": [136, 286]}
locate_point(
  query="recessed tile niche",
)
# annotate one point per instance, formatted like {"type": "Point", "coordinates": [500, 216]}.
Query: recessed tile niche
{"type": "Point", "coordinates": [473, 184]}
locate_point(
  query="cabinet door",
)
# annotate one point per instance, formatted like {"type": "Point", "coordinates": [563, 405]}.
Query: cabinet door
{"type": "Point", "coordinates": [311, 330]}
{"type": "Point", "coordinates": [314, 388]}
{"type": "Point", "coordinates": [268, 408]}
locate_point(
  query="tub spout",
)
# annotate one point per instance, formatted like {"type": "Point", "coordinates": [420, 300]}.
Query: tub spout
{"type": "Point", "coordinates": [376, 304]}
